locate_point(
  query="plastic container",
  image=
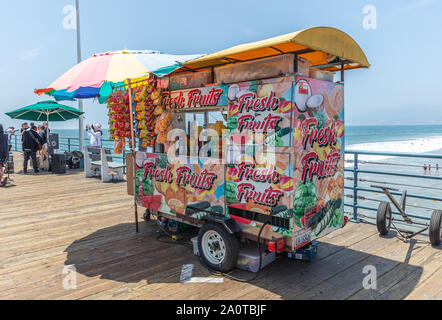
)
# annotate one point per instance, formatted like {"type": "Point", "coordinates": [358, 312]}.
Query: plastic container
{"type": "Point", "coordinates": [189, 80]}
{"type": "Point", "coordinates": [306, 253]}
{"type": "Point", "coordinates": [322, 75]}
{"type": "Point", "coordinates": [304, 67]}
{"type": "Point", "coordinates": [248, 258]}
{"type": "Point", "coordinates": [271, 67]}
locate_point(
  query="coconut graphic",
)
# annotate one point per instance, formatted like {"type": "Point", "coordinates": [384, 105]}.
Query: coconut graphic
{"type": "Point", "coordinates": [233, 91]}
{"type": "Point", "coordinates": [139, 159]}
{"type": "Point", "coordinates": [303, 92]}
{"type": "Point", "coordinates": [315, 101]}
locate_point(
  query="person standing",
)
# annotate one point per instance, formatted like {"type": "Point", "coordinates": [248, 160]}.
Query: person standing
{"type": "Point", "coordinates": [43, 151]}
{"type": "Point", "coordinates": [45, 127]}
{"type": "Point", "coordinates": [94, 131]}
{"type": "Point", "coordinates": [47, 131]}
{"type": "Point", "coordinates": [11, 132]}
{"type": "Point", "coordinates": [4, 154]}
{"type": "Point", "coordinates": [31, 144]}
{"type": "Point", "coordinates": [24, 127]}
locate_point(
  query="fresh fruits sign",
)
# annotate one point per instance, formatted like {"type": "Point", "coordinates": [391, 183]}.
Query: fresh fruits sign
{"type": "Point", "coordinates": [323, 137]}
{"type": "Point", "coordinates": [212, 96]}
{"type": "Point", "coordinates": [257, 187]}
{"type": "Point", "coordinates": [246, 191]}
{"type": "Point", "coordinates": [259, 112]}
{"type": "Point", "coordinates": [184, 176]}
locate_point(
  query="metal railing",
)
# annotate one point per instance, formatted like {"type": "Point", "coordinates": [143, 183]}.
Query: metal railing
{"type": "Point", "coordinates": [70, 144]}
{"type": "Point", "coordinates": [417, 172]}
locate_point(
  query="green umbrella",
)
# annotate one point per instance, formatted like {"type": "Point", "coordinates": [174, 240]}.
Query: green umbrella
{"type": "Point", "coordinates": [45, 111]}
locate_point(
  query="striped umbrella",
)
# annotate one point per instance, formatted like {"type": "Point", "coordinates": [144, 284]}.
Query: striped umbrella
{"type": "Point", "coordinates": [85, 79]}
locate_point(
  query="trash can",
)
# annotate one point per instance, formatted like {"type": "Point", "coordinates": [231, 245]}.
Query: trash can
{"type": "Point", "coordinates": [58, 163]}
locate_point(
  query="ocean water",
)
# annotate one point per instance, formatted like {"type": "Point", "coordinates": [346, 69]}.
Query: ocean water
{"type": "Point", "coordinates": [414, 139]}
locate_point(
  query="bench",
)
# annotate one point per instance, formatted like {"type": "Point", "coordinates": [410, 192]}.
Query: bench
{"type": "Point", "coordinates": [97, 159]}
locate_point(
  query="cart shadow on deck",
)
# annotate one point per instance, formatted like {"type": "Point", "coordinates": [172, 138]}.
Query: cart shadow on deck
{"type": "Point", "coordinates": [118, 253]}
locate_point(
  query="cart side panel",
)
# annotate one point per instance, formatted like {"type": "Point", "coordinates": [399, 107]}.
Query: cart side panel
{"type": "Point", "coordinates": [318, 204]}
{"type": "Point", "coordinates": [171, 185]}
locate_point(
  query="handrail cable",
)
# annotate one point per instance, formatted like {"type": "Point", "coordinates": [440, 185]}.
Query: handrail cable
{"type": "Point", "coordinates": [394, 183]}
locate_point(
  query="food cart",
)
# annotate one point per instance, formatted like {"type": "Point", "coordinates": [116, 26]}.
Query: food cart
{"type": "Point", "coordinates": [270, 168]}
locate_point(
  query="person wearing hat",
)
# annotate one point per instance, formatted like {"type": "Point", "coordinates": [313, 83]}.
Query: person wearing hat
{"type": "Point", "coordinates": [94, 131]}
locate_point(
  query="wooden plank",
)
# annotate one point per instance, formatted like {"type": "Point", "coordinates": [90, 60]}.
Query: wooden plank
{"type": "Point", "coordinates": [430, 289]}
{"type": "Point", "coordinates": [402, 280]}
{"type": "Point", "coordinates": [350, 280]}
{"type": "Point", "coordinates": [89, 224]}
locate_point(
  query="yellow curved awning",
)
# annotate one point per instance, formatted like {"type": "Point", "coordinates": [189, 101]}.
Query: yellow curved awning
{"type": "Point", "coordinates": [327, 48]}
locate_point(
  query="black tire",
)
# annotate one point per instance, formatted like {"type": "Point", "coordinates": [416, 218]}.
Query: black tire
{"type": "Point", "coordinates": [435, 227]}
{"type": "Point", "coordinates": [383, 218]}
{"type": "Point", "coordinates": [231, 247]}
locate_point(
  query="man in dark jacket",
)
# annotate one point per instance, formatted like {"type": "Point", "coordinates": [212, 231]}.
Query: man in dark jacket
{"type": "Point", "coordinates": [31, 143]}
{"type": "Point", "coordinates": [4, 152]}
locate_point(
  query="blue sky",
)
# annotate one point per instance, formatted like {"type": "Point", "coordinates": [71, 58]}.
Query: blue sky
{"type": "Point", "coordinates": [403, 86]}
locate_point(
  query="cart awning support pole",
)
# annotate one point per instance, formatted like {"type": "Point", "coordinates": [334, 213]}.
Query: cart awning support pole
{"type": "Point", "coordinates": [132, 149]}
{"type": "Point", "coordinates": [342, 72]}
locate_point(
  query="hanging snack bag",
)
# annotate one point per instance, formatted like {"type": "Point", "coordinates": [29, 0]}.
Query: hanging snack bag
{"type": "Point", "coordinates": [119, 145]}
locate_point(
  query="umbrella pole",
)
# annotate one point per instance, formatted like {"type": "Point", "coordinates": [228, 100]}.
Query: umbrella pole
{"type": "Point", "coordinates": [132, 149]}
{"type": "Point", "coordinates": [47, 142]}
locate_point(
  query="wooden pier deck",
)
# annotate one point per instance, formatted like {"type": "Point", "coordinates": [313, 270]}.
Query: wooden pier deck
{"type": "Point", "coordinates": [48, 222]}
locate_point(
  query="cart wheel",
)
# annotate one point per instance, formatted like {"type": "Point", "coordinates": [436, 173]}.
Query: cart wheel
{"type": "Point", "coordinates": [435, 227]}
{"type": "Point", "coordinates": [383, 218]}
{"type": "Point", "coordinates": [218, 248]}
{"type": "Point", "coordinates": [146, 215]}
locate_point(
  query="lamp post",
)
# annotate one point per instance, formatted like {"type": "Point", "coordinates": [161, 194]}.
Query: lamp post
{"type": "Point", "coordinates": [80, 102]}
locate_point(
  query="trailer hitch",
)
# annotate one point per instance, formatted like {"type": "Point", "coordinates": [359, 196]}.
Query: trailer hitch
{"type": "Point", "coordinates": [399, 207]}
{"type": "Point", "coordinates": [405, 236]}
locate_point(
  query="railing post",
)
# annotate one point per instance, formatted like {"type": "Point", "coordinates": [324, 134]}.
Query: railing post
{"type": "Point", "coordinates": [355, 189]}
{"type": "Point", "coordinates": [15, 138]}
{"type": "Point", "coordinates": [69, 144]}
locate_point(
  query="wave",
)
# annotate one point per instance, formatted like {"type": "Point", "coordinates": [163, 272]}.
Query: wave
{"type": "Point", "coordinates": [420, 145]}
